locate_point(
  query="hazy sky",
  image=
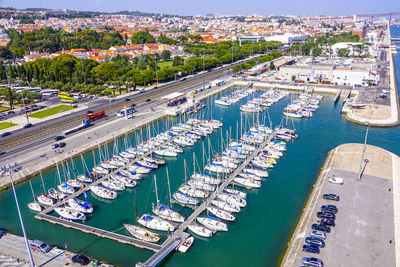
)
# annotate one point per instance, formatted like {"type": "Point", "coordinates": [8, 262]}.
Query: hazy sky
{"type": "Point", "coordinates": [196, 7]}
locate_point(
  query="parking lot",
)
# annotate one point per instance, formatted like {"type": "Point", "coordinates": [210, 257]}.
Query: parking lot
{"type": "Point", "coordinates": [364, 232]}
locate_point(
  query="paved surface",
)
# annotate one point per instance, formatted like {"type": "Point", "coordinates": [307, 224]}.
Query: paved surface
{"type": "Point", "coordinates": [365, 224]}
{"type": "Point", "coordinates": [13, 253]}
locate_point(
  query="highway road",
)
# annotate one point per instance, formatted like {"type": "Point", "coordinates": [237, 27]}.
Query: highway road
{"type": "Point", "coordinates": [52, 126]}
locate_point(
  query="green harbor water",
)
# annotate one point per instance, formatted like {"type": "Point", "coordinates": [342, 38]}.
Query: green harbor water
{"type": "Point", "coordinates": [263, 228]}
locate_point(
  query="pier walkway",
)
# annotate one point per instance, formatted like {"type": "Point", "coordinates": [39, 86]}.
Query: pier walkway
{"type": "Point", "coordinates": [178, 234]}
{"type": "Point", "coordinates": [44, 215]}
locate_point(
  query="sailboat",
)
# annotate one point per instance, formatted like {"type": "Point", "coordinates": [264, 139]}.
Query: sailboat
{"type": "Point", "coordinates": [139, 232]}
{"type": "Point", "coordinates": [213, 223]}
{"type": "Point", "coordinates": [34, 205]}
{"type": "Point", "coordinates": [70, 214]}
{"type": "Point", "coordinates": [164, 211]}
{"type": "Point", "coordinates": [155, 223]}
{"type": "Point", "coordinates": [200, 230]}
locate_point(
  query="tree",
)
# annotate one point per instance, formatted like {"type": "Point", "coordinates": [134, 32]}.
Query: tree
{"type": "Point", "coordinates": [272, 65]}
{"type": "Point", "coordinates": [182, 38]}
{"type": "Point", "coordinates": [166, 55]}
{"type": "Point", "coordinates": [142, 38]}
{"type": "Point", "coordinates": [293, 78]}
{"type": "Point", "coordinates": [343, 52]}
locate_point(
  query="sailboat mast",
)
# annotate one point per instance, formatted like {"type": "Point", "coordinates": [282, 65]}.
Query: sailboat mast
{"type": "Point", "coordinates": [194, 163]}
{"type": "Point", "coordinates": [134, 197]}
{"type": "Point", "coordinates": [169, 188]}
{"type": "Point", "coordinates": [33, 195]}
{"type": "Point", "coordinates": [41, 177]}
{"type": "Point", "coordinates": [155, 185]}
{"type": "Point", "coordinates": [184, 166]}
{"type": "Point", "coordinates": [58, 172]}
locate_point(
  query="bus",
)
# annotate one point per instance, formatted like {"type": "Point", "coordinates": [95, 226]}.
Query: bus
{"type": "Point", "coordinates": [95, 116]}
{"type": "Point", "coordinates": [64, 94]}
{"type": "Point", "coordinates": [67, 99]}
{"type": "Point", "coordinates": [130, 110]}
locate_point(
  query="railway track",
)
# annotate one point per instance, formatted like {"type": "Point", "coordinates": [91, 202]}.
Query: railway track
{"type": "Point", "coordinates": [59, 124]}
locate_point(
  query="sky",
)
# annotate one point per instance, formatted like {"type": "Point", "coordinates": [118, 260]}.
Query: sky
{"type": "Point", "coordinates": [222, 7]}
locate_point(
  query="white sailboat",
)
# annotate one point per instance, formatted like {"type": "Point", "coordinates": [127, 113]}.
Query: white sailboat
{"type": "Point", "coordinates": [155, 223]}
{"type": "Point", "coordinates": [192, 192]}
{"type": "Point", "coordinates": [70, 214]}
{"type": "Point", "coordinates": [245, 182]}
{"type": "Point", "coordinates": [233, 200]}
{"type": "Point", "coordinates": [79, 205]}
{"type": "Point", "coordinates": [141, 233]}
{"type": "Point", "coordinates": [200, 230]}
{"type": "Point", "coordinates": [35, 206]}
{"type": "Point", "coordinates": [224, 215]}
{"type": "Point", "coordinates": [103, 192]}
{"type": "Point", "coordinates": [213, 224]}
{"type": "Point", "coordinates": [225, 206]}
{"type": "Point", "coordinates": [235, 192]}
{"type": "Point", "coordinates": [185, 199]}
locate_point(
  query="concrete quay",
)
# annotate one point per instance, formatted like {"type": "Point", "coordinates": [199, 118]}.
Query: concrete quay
{"type": "Point", "coordinates": [367, 231]}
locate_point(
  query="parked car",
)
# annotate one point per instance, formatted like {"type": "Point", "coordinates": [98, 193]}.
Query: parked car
{"type": "Point", "coordinates": [148, 100]}
{"type": "Point", "coordinates": [28, 125]}
{"type": "Point", "coordinates": [321, 227]}
{"type": "Point", "coordinates": [89, 111]}
{"type": "Point", "coordinates": [318, 234]}
{"type": "Point", "coordinates": [311, 249]}
{"type": "Point", "coordinates": [328, 221]}
{"type": "Point", "coordinates": [336, 180]}
{"type": "Point", "coordinates": [62, 144]}
{"type": "Point", "coordinates": [329, 208]}
{"type": "Point", "coordinates": [10, 112]}
{"type": "Point", "coordinates": [54, 146]}
{"type": "Point", "coordinates": [127, 99]}
{"type": "Point", "coordinates": [40, 246]}
{"type": "Point", "coordinates": [326, 214]}
{"type": "Point", "coordinates": [331, 197]}
{"type": "Point", "coordinates": [59, 137]}
{"type": "Point", "coordinates": [81, 259]}
{"type": "Point", "coordinates": [312, 262]}
{"type": "Point", "coordinates": [315, 241]}
{"type": "Point", "coordinates": [5, 134]}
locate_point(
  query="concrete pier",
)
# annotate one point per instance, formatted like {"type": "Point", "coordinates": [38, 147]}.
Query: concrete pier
{"type": "Point", "coordinates": [367, 228]}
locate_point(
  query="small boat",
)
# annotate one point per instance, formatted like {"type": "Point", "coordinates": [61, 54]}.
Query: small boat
{"type": "Point", "coordinates": [139, 169]}
{"type": "Point", "coordinates": [84, 179]}
{"type": "Point", "coordinates": [206, 178]}
{"type": "Point", "coordinates": [199, 184]}
{"type": "Point", "coordinates": [192, 192]}
{"type": "Point", "coordinates": [146, 164]}
{"type": "Point", "coordinates": [252, 183]}
{"type": "Point", "coordinates": [225, 206]}
{"type": "Point", "coordinates": [127, 155]}
{"type": "Point", "coordinates": [155, 223]}
{"type": "Point", "coordinates": [256, 172]}
{"type": "Point", "coordinates": [141, 233]}
{"type": "Point", "coordinates": [185, 199]}
{"type": "Point", "coordinates": [103, 192]}
{"type": "Point", "coordinates": [200, 230]}
{"type": "Point", "coordinates": [234, 192]}
{"type": "Point", "coordinates": [113, 185]}
{"type": "Point", "coordinates": [45, 200]}
{"type": "Point", "coordinates": [165, 152]}
{"type": "Point", "coordinates": [168, 213]}
{"type": "Point", "coordinates": [65, 188]}
{"type": "Point", "coordinates": [80, 205]}
{"type": "Point", "coordinates": [223, 215]}
{"type": "Point", "coordinates": [130, 174]}
{"type": "Point", "coordinates": [74, 183]}
{"type": "Point", "coordinates": [54, 194]}
{"type": "Point", "coordinates": [154, 160]}
{"type": "Point", "coordinates": [100, 170]}
{"type": "Point", "coordinates": [35, 206]}
{"type": "Point", "coordinates": [213, 224]}
{"type": "Point", "coordinates": [216, 168]}
{"type": "Point", "coordinates": [185, 245]}
{"type": "Point", "coordinates": [70, 214]}
{"type": "Point", "coordinates": [124, 180]}
{"type": "Point", "coordinates": [233, 200]}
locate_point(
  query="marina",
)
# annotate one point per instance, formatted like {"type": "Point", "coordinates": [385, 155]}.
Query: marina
{"type": "Point", "coordinates": [242, 218]}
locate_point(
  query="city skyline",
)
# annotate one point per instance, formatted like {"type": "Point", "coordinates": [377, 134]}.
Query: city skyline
{"type": "Point", "coordinates": [224, 7]}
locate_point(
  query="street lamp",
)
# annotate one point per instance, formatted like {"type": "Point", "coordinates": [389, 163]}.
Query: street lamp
{"type": "Point", "coordinates": [20, 218]}
{"type": "Point", "coordinates": [362, 155]}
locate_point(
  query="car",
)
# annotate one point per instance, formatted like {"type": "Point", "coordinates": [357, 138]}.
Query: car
{"type": "Point", "coordinates": [127, 99]}
{"type": "Point", "coordinates": [89, 112]}
{"type": "Point", "coordinates": [5, 134]}
{"type": "Point", "coordinates": [328, 221]}
{"type": "Point", "coordinates": [183, 79]}
{"type": "Point", "coordinates": [321, 227]}
{"type": "Point", "coordinates": [317, 233]}
{"type": "Point", "coordinates": [81, 259]}
{"type": "Point", "coordinates": [148, 100]}
{"type": "Point", "coordinates": [315, 241]}
{"type": "Point", "coordinates": [155, 87]}
{"type": "Point", "coordinates": [331, 197]}
{"type": "Point", "coordinates": [312, 262]}
{"type": "Point", "coordinates": [10, 112]}
{"type": "Point", "coordinates": [28, 125]}
{"type": "Point", "coordinates": [54, 146]}
{"type": "Point", "coordinates": [62, 144]}
{"type": "Point", "coordinates": [326, 214]}
{"type": "Point", "coordinates": [40, 246]}
{"type": "Point", "coordinates": [311, 249]}
{"type": "Point", "coordinates": [59, 137]}
{"type": "Point", "coordinates": [133, 105]}
{"type": "Point", "coordinates": [329, 208]}
{"type": "Point", "coordinates": [336, 180]}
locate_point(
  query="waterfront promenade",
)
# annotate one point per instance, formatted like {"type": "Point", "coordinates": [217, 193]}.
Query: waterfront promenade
{"type": "Point", "coordinates": [367, 228]}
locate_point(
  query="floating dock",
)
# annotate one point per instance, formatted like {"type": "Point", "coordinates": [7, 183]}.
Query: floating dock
{"type": "Point", "coordinates": [335, 99]}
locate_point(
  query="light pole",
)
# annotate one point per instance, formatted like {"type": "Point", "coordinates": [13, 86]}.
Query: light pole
{"type": "Point", "coordinates": [20, 218]}
{"type": "Point", "coordinates": [362, 154]}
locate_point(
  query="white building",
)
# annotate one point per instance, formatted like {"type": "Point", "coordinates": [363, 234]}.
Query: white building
{"type": "Point", "coordinates": [286, 38]}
